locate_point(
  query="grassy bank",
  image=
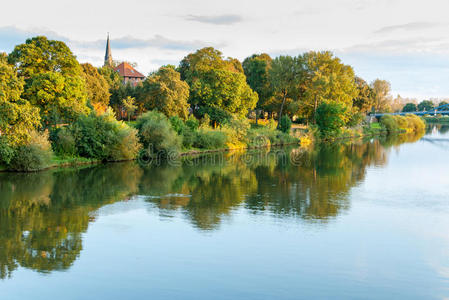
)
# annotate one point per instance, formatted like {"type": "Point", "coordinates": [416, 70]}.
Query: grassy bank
{"type": "Point", "coordinates": [387, 125]}
{"type": "Point", "coordinates": [97, 139]}
{"type": "Point", "coordinates": [437, 119]}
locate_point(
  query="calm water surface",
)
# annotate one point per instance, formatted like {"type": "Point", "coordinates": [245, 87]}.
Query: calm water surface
{"type": "Point", "coordinates": [363, 220]}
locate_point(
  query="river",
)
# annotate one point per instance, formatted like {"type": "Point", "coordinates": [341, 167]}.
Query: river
{"type": "Point", "coordinates": [355, 220]}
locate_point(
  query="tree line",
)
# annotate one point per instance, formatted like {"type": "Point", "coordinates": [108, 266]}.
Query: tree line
{"type": "Point", "coordinates": [43, 86]}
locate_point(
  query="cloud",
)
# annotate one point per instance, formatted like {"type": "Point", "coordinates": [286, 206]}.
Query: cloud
{"type": "Point", "coordinates": [11, 36]}
{"type": "Point", "coordinates": [216, 20]}
{"type": "Point", "coordinates": [159, 42]}
{"type": "Point", "coordinates": [414, 26]}
{"type": "Point", "coordinates": [399, 46]}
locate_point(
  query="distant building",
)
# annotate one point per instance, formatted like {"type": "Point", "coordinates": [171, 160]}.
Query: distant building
{"type": "Point", "coordinates": [129, 74]}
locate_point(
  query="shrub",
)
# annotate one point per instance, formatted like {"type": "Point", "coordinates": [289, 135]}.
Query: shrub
{"type": "Point", "coordinates": [272, 124]}
{"type": "Point", "coordinates": [188, 138]}
{"type": "Point", "coordinates": [177, 124]}
{"type": "Point", "coordinates": [6, 151]}
{"type": "Point", "coordinates": [99, 137]}
{"type": "Point", "coordinates": [192, 123]}
{"type": "Point", "coordinates": [210, 139]}
{"type": "Point", "coordinates": [416, 123]}
{"type": "Point", "coordinates": [157, 135]}
{"type": "Point", "coordinates": [390, 123]}
{"type": "Point", "coordinates": [63, 142]}
{"type": "Point", "coordinates": [125, 144]}
{"type": "Point", "coordinates": [329, 118]}
{"type": "Point", "coordinates": [285, 124]}
{"type": "Point", "coordinates": [205, 121]}
{"type": "Point", "coordinates": [33, 156]}
{"type": "Point", "coordinates": [236, 130]}
{"type": "Point", "coordinates": [355, 119]}
{"type": "Point", "coordinates": [402, 122]}
{"type": "Point", "coordinates": [265, 137]}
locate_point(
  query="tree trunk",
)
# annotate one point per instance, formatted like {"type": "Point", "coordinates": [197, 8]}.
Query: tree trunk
{"type": "Point", "coordinates": [314, 110]}
{"type": "Point", "coordinates": [282, 107]}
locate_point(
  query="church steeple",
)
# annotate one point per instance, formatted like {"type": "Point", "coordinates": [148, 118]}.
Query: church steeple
{"type": "Point", "coordinates": [108, 55]}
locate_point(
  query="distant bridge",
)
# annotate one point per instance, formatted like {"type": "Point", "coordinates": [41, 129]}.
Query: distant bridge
{"type": "Point", "coordinates": [437, 111]}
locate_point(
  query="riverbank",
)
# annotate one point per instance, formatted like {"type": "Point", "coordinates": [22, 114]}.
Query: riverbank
{"type": "Point", "coordinates": [159, 137]}
{"type": "Point", "coordinates": [437, 120]}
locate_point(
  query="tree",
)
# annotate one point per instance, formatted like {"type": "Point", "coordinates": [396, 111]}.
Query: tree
{"type": "Point", "coordinates": [97, 88]}
{"type": "Point", "coordinates": [53, 79]}
{"type": "Point", "coordinates": [382, 97]}
{"type": "Point", "coordinates": [326, 79]}
{"type": "Point", "coordinates": [112, 77]}
{"type": "Point", "coordinates": [409, 107]}
{"type": "Point", "coordinates": [216, 84]}
{"type": "Point", "coordinates": [443, 103]}
{"type": "Point", "coordinates": [129, 105]}
{"type": "Point", "coordinates": [60, 98]}
{"type": "Point", "coordinates": [285, 75]}
{"type": "Point", "coordinates": [426, 105]}
{"type": "Point", "coordinates": [256, 69]}
{"type": "Point", "coordinates": [17, 117]}
{"type": "Point", "coordinates": [39, 55]}
{"type": "Point", "coordinates": [365, 98]}
{"type": "Point", "coordinates": [328, 118]}
{"type": "Point", "coordinates": [165, 91]}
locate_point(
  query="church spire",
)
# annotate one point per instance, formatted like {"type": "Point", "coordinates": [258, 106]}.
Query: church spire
{"type": "Point", "coordinates": [108, 55]}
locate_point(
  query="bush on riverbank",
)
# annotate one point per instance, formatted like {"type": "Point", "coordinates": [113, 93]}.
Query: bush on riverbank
{"type": "Point", "coordinates": [33, 156]}
{"type": "Point", "coordinates": [98, 137]}
{"type": "Point", "coordinates": [157, 134]}
{"type": "Point", "coordinates": [329, 119]}
{"type": "Point", "coordinates": [407, 123]}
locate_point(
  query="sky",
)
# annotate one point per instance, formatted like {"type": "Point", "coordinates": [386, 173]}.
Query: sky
{"type": "Point", "coordinates": [403, 41]}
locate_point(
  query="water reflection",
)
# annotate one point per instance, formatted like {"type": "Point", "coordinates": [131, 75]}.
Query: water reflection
{"type": "Point", "coordinates": [43, 215]}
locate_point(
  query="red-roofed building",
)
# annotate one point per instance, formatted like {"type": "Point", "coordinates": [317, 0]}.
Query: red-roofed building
{"type": "Point", "coordinates": [125, 70]}
{"type": "Point", "coordinates": [129, 74]}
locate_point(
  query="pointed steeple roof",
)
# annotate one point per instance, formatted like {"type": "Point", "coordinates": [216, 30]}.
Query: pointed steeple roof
{"type": "Point", "coordinates": [108, 55]}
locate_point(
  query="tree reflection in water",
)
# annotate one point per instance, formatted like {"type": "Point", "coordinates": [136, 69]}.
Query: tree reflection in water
{"type": "Point", "coordinates": [43, 215]}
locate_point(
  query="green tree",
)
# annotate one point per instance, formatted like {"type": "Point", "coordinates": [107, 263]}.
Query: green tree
{"type": "Point", "coordinates": [97, 87]}
{"type": "Point", "coordinates": [285, 76]}
{"type": "Point", "coordinates": [326, 79]}
{"type": "Point", "coordinates": [426, 105]}
{"type": "Point", "coordinates": [17, 117]}
{"type": "Point", "coordinates": [328, 118]}
{"type": "Point", "coordinates": [60, 98]}
{"type": "Point", "coordinates": [285, 124]}
{"type": "Point", "coordinates": [112, 77]}
{"type": "Point", "coordinates": [365, 98]}
{"type": "Point", "coordinates": [122, 92]}
{"type": "Point", "coordinates": [165, 91]}
{"type": "Point", "coordinates": [382, 96]}
{"type": "Point", "coordinates": [443, 103]}
{"type": "Point", "coordinates": [216, 84]}
{"type": "Point", "coordinates": [256, 68]}
{"type": "Point", "coordinates": [53, 78]}
{"type": "Point", "coordinates": [409, 107]}
{"type": "Point", "coordinates": [39, 55]}
{"type": "Point", "coordinates": [129, 105]}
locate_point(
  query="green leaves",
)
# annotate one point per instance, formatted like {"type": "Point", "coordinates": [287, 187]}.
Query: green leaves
{"type": "Point", "coordinates": [217, 83]}
{"type": "Point", "coordinates": [60, 98]}
{"type": "Point", "coordinates": [17, 117]}
{"type": "Point", "coordinates": [165, 91]}
{"type": "Point", "coordinates": [40, 55]}
{"type": "Point", "coordinates": [328, 118]}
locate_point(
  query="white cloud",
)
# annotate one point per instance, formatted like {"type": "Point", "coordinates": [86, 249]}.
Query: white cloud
{"type": "Point", "coordinates": [400, 40]}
